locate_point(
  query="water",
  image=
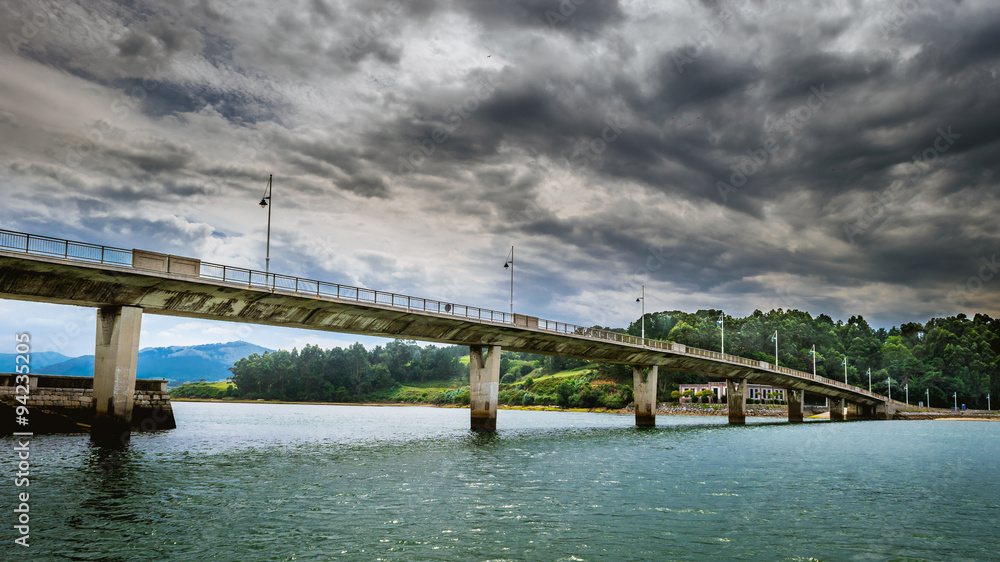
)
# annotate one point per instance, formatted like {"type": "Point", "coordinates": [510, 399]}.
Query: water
{"type": "Point", "coordinates": [300, 482]}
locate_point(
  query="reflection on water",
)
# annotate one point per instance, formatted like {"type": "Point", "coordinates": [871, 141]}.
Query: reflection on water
{"type": "Point", "coordinates": [283, 482]}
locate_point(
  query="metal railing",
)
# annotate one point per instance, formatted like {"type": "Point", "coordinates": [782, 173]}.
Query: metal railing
{"type": "Point", "coordinates": [322, 289]}
{"type": "Point", "coordinates": [93, 253]}
{"type": "Point", "coordinates": [56, 247]}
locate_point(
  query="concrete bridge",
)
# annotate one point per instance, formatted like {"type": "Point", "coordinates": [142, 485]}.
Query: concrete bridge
{"type": "Point", "coordinates": [123, 284]}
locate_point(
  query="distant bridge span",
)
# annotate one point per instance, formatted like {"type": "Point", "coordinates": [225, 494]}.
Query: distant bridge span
{"type": "Point", "coordinates": [123, 284]}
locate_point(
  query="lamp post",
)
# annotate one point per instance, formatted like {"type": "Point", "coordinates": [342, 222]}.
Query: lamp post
{"type": "Point", "coordinates": [642, 298]}
{"type": "Point", "coordinates": [888, 383]}
{"type": "Point", "coordinates": [844, 363]}
{"type": "Point", "coordinates": [509, 264]}
{"type": "Point", "coordinates": [722, 323]}
{"type": "Point", "coordinates": [774, 338]}
{"type": "Point", "coordinates": [927, 391]}
{"type": "Point", "coordinates": [955, 396]}
{"type": "Point", "coordinates": [265, 201]}
{"type": "Point", "coordinates": [813, 353]}
{"type": "Point", "coordinates": [869, 379]}
{"type": "Point", "coordinates": [907, 390]}
{"type": "Point", "coordinates": [987, 402]}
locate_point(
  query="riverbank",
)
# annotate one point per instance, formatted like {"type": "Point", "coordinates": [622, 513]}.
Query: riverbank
{"type": "Point", "coordinates": [664, 408]}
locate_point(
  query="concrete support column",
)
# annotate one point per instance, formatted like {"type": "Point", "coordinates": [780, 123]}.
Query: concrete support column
{"type": "Point", "coordinates": [837, 409]}
{"type": "Point", "coordinates": [644, 395]}
{"type": "Point", "coordinates": [115, 357]}
{"type": "Point", "coordinates": [884, 411]}
{"type": "Point", "coordinates": [484, 385]}
{"type": "Point", "coordinates": [795, 400]}
{"type": "Point", "coordinates": [736, 394]}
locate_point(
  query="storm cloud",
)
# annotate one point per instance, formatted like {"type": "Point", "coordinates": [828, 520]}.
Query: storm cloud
{"type": "Point", "coordinates": [840, 158]}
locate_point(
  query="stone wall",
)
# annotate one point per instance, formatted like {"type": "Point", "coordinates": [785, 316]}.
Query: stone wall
{"type": "Point", "coordinates": [58, 404]}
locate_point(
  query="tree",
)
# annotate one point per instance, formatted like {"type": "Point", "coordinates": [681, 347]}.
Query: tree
{"type": "Point", "coordinates": [942, 356]}
{"type": "Point", "coordinates": [564, 391]}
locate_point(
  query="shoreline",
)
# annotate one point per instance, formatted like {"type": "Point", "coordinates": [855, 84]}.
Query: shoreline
{"type": "Point", "coordinates": [662, 408]}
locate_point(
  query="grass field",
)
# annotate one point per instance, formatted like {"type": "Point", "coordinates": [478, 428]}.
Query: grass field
{"type": "Point", "coordinates": [569, 373]}
{"type": "Point", "coordinates": [221, 385]}
{"type": "Point", "coordinates": [454, 383]}
{"type": "Point", "coordinates": [200, 389]}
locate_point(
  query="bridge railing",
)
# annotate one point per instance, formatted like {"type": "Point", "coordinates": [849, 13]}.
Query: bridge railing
{"type": "Point", "coordinates": [68, 249]}
{"type": "Point", "coordinates": [313, 287]}
{"type": "Point", "coordinates": [93, 253]}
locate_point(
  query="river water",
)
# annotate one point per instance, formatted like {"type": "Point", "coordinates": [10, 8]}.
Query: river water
{"type": "Point", "coordinates": [309, 482]}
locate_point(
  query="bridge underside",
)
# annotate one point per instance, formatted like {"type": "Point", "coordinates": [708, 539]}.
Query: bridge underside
{"type": "Point", "coordinates": [60, 281]}
{"type": "Point", "coordinates": [121, 294]}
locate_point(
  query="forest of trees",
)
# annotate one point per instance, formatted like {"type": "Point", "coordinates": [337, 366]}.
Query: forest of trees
{"type": "Point", "coordinates": [343, 375]}
{"type": "Point", "coordinates": [945, 356]}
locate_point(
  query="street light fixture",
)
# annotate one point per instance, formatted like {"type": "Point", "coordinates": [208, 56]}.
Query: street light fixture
{"type": "Point", "coordinates": [907, 389]}
{"type": "Point", "coordinates": [774, 338]}
{"type": "Point", "coordinates": [955, 396]}
{"type": "Point", "coordinates": [813, 353]}
{"type": "Point", "coordinates": [642, 298]}
{"type": "Point", "coordinates": [927, 391]}
{"type": "Point", "coordinates": [844, 363]}
{"type": "Point", "coordinates": [265, 201]}
{"type": "Point", "coordinates": [888, 382]}
{"type": "Point", "coordinates": [722, 323]}
{"type": "Point", "coordinates": [869, 379]}
{"type": "Point", "coordinates": [509, 264]}
{"type": "Point", "coordinates": [987, 402]}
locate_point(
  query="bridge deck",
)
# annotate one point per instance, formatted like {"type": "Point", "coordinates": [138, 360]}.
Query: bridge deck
{"type": "Point", "coordinates": [43, 269]}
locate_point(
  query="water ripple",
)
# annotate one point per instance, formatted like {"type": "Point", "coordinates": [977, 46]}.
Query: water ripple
{"type": "Point", "coordinates": [291, 482]}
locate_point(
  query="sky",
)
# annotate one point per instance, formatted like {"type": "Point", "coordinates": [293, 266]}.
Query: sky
{"type": "Point", "coordinates": [838, 157]}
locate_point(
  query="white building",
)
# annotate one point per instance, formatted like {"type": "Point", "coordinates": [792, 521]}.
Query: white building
{"type": "Point", "coordinates": [754, 391]}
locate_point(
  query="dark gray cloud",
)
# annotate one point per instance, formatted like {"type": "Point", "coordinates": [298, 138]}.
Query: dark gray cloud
{"type": "Point", "coordinates": [574, 17]}
{"type": "Point", "coordinates": [733, 155]}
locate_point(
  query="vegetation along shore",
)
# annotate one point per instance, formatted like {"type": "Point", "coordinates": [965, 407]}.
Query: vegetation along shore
{"type": "Point", "coordinates": [942, 358]}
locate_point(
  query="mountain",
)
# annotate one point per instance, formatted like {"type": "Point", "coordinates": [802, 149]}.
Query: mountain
{"type": "Point", "coordinates": [176, 363]}
{"type": "Point", "coordinates": [38, 359]}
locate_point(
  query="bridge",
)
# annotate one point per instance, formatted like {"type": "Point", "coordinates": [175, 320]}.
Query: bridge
{"type": "Point", "coordinates": [123, 284]}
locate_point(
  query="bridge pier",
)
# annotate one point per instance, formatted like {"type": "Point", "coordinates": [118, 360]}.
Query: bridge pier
{"type": "Point", "coordinates": [795, 399]}
{"type": "Point", "coordinates": [644, 395]}
{"type": "Point", "coordinates": [837, 409]}
{"type": "Point", "coordinates": [884, 411]}
{"type": "Point", "coordinates": [484, 385]}
{"type": "Point", "coordinates": [115, 356]}
{"type": "Point", "coordinates": [736, 396]}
